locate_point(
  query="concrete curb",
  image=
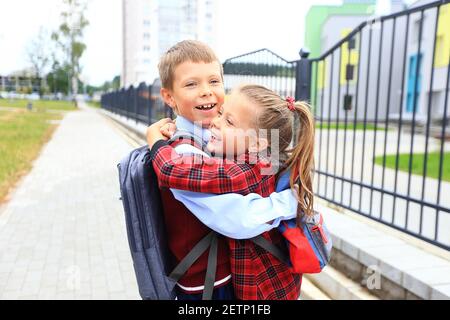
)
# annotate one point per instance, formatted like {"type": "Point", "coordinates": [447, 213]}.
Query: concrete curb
{"type": "Point", "coordinates": [406, 270]}
{"type": "Point", "coordinates": [338, 287]}
{"type": "Point", "coordinates": [311, 292]}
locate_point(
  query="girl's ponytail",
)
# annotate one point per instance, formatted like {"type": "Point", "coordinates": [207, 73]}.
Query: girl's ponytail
{"type": "Point", "coordinates": [278, 113]}
{"type": "Point", "coordinates": [301, 157]}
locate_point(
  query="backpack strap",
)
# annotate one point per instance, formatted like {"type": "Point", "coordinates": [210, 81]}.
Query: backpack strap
{"type": "Point", "coordinates": [211, 269]}
{"type": "Point", "coordinates": [209, 240]}
{"type": "Point", "coordinates": [271, 248]}
{"type": "Point", "coordinates": [192, 256]}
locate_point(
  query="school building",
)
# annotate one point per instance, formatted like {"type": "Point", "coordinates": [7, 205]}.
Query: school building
{"type": "Point", "coordinates": [150, 27]}
{"type": "Point", "coordinates": [377, 72]}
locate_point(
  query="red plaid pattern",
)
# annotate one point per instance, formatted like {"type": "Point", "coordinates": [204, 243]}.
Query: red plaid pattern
{"type": "Point", "coordinates": [210, 175]}
{"type": "Point", "coordinates": [256, 274]}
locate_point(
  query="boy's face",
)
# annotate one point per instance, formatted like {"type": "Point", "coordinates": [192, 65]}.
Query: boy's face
{"type": "Point", "coordinates": [197, 93]}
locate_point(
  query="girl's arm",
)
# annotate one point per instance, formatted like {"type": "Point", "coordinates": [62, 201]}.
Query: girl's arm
{"type": "Point", "coordinates": [237, 216]}
{"type": "Point", "coordinates": [202, 174]}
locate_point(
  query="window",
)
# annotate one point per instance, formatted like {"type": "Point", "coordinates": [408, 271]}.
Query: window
{"type": "Point", "coordinates": [348, 102]}
{"type": "Point", "coordinates": [350, 69]}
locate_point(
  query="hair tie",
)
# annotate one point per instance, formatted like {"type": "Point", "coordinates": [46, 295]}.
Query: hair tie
{"type": "Point", "coordinates": [291, 103]}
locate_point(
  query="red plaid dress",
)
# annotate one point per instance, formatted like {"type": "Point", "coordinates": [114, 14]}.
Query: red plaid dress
{"type": "Point", "coordinates": [256, 274]}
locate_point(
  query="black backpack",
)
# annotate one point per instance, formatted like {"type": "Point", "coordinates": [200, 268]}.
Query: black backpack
{"type": "Point", "coordinates": [146, 229]}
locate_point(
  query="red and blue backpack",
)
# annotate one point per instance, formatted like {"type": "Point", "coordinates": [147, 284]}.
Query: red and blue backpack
{"type": "Point", "coordinates": [309, 244]}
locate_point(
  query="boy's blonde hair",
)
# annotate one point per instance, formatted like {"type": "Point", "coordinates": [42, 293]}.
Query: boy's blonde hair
{"type": "Point", "coordinates": [187, 50]}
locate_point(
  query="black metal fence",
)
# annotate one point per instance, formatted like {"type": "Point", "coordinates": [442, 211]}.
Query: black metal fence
{"type": "Point", "coordinates": [142, 103]}
{"type": "Point", "coordinates": [380, 99]}
{"type": "Point", "coordinates": [263, 67]}
{"type": "Point", "coordinates": [381, 104]}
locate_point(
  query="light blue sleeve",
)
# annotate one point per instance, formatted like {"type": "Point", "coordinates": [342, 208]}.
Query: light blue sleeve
{"type": "Point", "coordinates": [237, 216]}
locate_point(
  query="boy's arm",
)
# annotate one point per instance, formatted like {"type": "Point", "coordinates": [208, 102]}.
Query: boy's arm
{"type": "Point", "coordinates": [237, 216]}
{"type": "Point", "coordinates": [202, 174]}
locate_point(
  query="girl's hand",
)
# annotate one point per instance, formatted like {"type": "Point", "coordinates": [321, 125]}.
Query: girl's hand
{"type": "Point", "coordinates": [154, 131]}
{"type": "Point", "coordinates": [168, 130]}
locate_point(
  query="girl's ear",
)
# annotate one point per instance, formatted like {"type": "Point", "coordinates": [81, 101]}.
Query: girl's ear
{"type": "Point", "coordinates": [168, 98]}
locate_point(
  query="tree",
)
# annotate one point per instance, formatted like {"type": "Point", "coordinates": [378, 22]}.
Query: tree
{"type": "Point", "coordinates": [105, 87]}
{"type": "Point", "coordinates": [58, 78]}
{"type": "Point", "coordinates": [69, 38]}
{"type": "Point", "coordinates": [116, 83]}
{"type": "Point", "coordinates": [38, 56]}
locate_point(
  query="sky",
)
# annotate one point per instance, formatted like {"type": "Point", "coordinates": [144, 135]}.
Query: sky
{"type": "Point", "coordinates": [243, 26]}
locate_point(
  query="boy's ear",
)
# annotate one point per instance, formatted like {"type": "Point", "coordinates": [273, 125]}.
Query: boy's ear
{"type": "Point", "coordinates": [167, 98]}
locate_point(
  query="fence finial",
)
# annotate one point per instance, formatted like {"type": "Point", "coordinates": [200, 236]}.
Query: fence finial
{"type": "Point", "coordinates": [304, 53]}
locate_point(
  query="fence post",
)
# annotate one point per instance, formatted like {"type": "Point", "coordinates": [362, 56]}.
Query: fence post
{"type": "Point", "coordinates": [302, 83]}
{"type": "Point", "coordinates": [135, 103]}
{"type": "Point", "coordinates": [123, 102]}
{"type": "Point", "coordinates": [127, 102]}
{"type": "Point", "coordinates": [303, 77]}
{"type": "Point", "coordinates": [115, 99]}
{"type": "Point", "coordinates": [149, 104]}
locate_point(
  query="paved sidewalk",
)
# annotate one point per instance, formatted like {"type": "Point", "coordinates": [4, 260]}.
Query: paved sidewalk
{"type": "Point", "coordinates": [62, 235]}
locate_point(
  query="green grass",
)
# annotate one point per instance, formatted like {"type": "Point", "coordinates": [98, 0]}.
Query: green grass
{"type": "Point", "coordinates": [350, 126]}
{"type": "Point", "coordinates": [38, 104]}
{"type": "Point", "coordinates": [417, 164]}
{"type": "Point", "coordinates": [22, 134]}
{"type": "Point", "coordinates": [94, 104]}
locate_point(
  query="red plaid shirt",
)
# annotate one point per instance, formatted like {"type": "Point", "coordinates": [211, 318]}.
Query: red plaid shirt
{"type": "Point", "coordinates": [256, 274]}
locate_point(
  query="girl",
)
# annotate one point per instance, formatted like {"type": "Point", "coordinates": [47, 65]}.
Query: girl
{"type": "Point", "coordinates": [255, 127]}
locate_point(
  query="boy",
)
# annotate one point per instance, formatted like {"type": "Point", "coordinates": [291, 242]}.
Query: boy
{"type": "Point", "coordinates": [192, 85]}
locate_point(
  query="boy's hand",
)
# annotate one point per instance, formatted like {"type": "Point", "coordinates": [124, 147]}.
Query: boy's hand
{"type": "Point", "coordinates": [168, 130]}
{"type": "Point", "coordinates": [154, 131]}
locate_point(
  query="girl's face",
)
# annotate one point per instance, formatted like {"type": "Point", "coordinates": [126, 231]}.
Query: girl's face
{"type": "Point", "coordinates": [233, 130]}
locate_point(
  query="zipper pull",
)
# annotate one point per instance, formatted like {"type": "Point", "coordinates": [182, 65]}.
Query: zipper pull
{"type": "Point", "coordinates": [322, 233]}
